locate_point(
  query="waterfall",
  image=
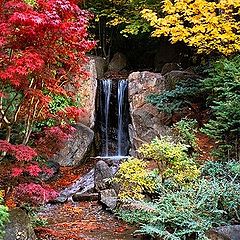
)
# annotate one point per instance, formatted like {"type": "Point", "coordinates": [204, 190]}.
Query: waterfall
{"type": "Point", "coordinates": [112, 118]}
{"type": "Point", "coordinates": [106, 88]}
{"type": "Point", "coordinates": [122, 86]}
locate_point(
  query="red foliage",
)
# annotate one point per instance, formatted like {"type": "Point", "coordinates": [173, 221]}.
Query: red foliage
{"type": "Point", "coordinates": [34, 193]}
{"type": "Point", "coordinates": [36, 42]}
{"type": "Point", "coordinates": [20, 152]}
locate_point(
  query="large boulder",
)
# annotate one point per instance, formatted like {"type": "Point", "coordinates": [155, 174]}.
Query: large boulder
{"type": "Point", "coordinates": [19, 226]}
{"type": "Point", "coordinates": [118, 62]}
{"type": "Point", "coordinates": [147, 121]}
{"type": "Point", "coordinates": [77, 148]}
{"type": "Point", "coordinates": [225, 233]}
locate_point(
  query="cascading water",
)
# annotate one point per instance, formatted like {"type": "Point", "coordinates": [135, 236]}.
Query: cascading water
{"type": "Point", "coordinates": [106, 87]}
{"type": "Point", "coordinates": [112, 118]}
{"type": "Point", "coordinates": [122, 87]}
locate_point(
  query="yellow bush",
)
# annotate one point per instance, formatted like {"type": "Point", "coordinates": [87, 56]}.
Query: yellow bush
{"type": "Point", "coordinates": [134, 179]}
{"type": "Point", "coordinates": [172, 160]}
{"type": "Point", "coordinates": [207, 25]}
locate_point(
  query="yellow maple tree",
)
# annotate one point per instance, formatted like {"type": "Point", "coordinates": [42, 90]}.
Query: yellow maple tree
{"type": "Point", "coordinates": [209, 26]}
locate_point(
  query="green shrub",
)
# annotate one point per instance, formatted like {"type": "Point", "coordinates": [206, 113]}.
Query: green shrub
{"type": "Point", "coordinates": [188, 211]}
{"type": "Point", "coordinates": [3, 218]}
{"type": "Point", "coordinates": [219, 170]}
{"type": "Point", "coordinates": [186, 92]}
{"type": "Point", "coordinates": [223, 85]}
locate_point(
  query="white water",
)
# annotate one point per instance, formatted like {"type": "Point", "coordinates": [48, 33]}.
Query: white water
{"type": "Point", "coordinates": [122, 86]}
{"type": "Point", "coordinates": [107, 87]}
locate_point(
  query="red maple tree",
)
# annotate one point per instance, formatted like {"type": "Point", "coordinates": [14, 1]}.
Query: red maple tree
{"type": "Point", "coordinates": [42, 52]}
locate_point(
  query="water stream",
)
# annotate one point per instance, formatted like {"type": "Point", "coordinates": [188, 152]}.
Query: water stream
{"type": "Point", "coordinates": [107, 87]}
{"type": "Point", "coordinates": [122, 87]}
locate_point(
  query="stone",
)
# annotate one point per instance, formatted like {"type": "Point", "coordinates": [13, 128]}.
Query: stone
{"type": "Point", "coordinates": [108, 198]}
{"type": "Point", "coordinates": [88, 91]}
{"type": "Point", "coordinates": [147, 121]}
{"type": "Point", "coordinates": [165, 53]}
{"type": "Point", "coordinates": [19, 226]}
{"type": "Point", "coordinates": [102, 176]}
{"type": "Point", "coordinates": [54, 166]}
{"type": "Point", "coordinates": [224, 233]}
{"type": "Point", "coordinates": [118, 62]}
{"type": "Point", "coordinates": [77, 148]}
{"type": "Point", "coordinates": [83, 197]}
{"type": "Point", "coordinates": [101, 66]}
{"type": "Point", "coordinates": [83, 185]}
{"type": "Point", "coordinates": [168, 67]}
{"type": "Point", "coordinates": [175, 76]}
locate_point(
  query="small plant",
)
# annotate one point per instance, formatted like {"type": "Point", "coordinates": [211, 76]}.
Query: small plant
{"type": "Point", "coordinates": [186, 128]}
{"type": "Point", "coordinates": [222, 170]}
{"type": "Point", "coordinates": [185, 95]}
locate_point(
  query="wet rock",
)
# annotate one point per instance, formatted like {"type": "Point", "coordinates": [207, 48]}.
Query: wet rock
{"type": "Point", "coordinates": [19, 227]}
{"type": "Point", "coordinates": [108, 198]}
{"type": "Point", "coordinates": [147, 121]}
{"type": "Point", "coordinates": [83, 185]}
{"type": "Point", "coordinates": [103, 175]}
{"type": "Point", "coordinates": [83, 197]}
{"type": "Point", "coordinates": [225, 233]}
{"type": "Point", "coordinates": [118, 62]}
{"type": "Point", "coordinates": [76, 148]}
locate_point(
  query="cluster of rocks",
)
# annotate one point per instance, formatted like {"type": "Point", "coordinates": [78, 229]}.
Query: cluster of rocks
{"type": "Point", "coordinates": [96, 185]}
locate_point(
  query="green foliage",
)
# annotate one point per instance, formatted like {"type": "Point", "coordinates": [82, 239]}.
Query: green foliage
{"type": "Point", "coordinates": [189, 211]}
{"type": "Point", "coordinates": [123, 14]}
{"type": "Point", "coordinates": [219, 170]}
{"type": "Point", "coordinates": [172, 160]}
{"type": "Point", "coordinates": [223, 85]}
{"type": "Point", "coordinates": [186, 128]}
{"type": "Point", "coordinates": [134, 179]}
{"type": "Point", "coordinates": [3, 217]}
{"type": "Point", "coordinates": [58, 103]}
{"type": "Point", "coordinates": [186, 92]}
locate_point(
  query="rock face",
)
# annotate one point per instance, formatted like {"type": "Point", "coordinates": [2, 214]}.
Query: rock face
{"type": "Point", "coordinates": [225, 233]}
{"type": "Point", "coordinates": [118, 62]}
{"type": "Point", "coordinates": [147, 122]}
{"type": "Point", "coordinates": [100, 66]}
{"type": "Point", "coordinates": [19, 226]}
{"type": "Point", "coordinates": [77, 147]}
